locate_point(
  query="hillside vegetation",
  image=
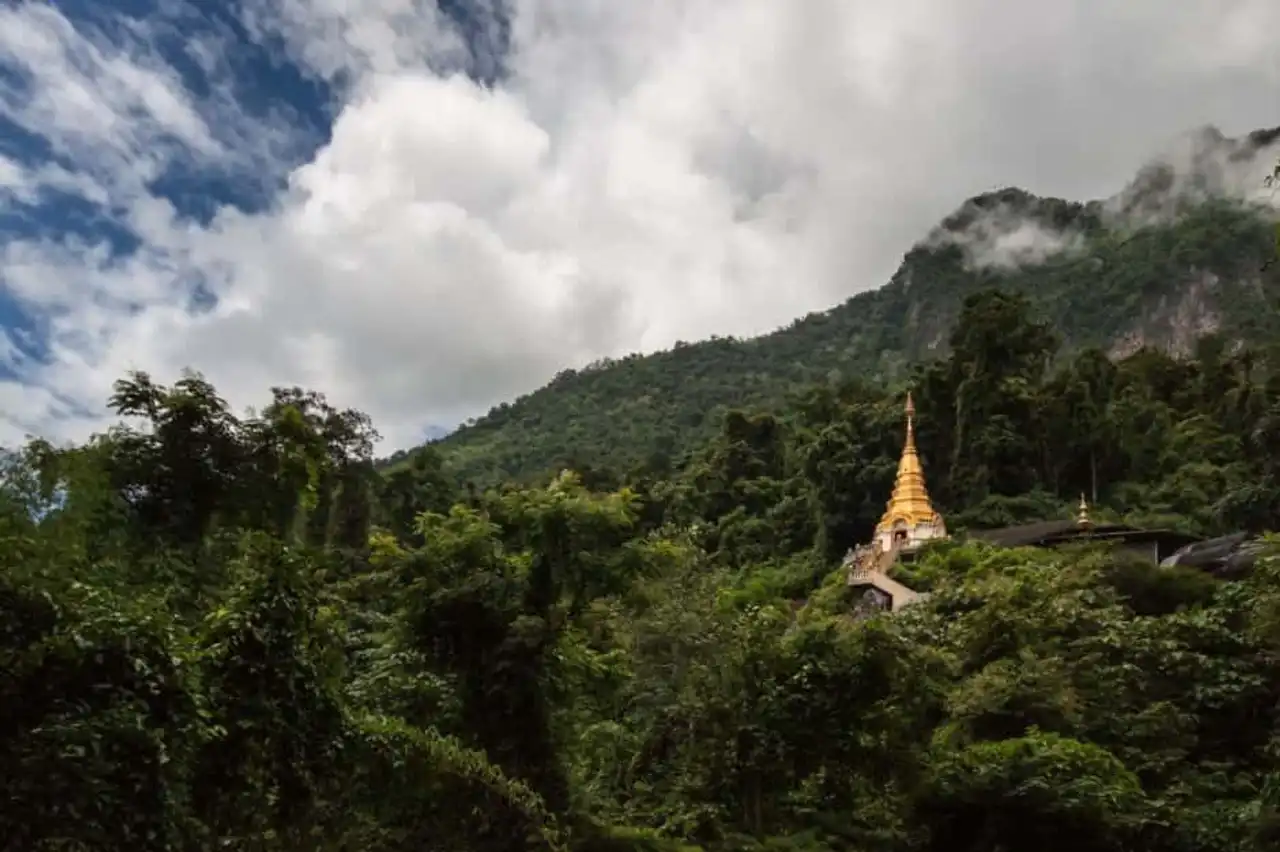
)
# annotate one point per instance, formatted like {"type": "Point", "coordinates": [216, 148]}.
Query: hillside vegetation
{"type": "Point", "coordinates": [226, 633]}
{"type": "Point", "coordinates": [1112, 286]}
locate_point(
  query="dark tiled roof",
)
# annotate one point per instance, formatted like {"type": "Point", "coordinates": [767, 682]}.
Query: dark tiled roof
{"type": "Point", "coordinates": [1046, 533]}
{"type": "Point", "coordinates": [1024, 534]}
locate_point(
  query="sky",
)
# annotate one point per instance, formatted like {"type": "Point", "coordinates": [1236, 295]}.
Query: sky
{"type": "Point", "coordinates": [422, 209]}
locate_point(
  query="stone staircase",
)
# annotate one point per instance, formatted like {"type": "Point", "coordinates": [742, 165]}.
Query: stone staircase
{"type": "Point", "coordinates": [869, 568]}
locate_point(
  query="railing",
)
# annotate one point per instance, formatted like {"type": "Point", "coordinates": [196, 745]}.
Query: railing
{"type": "Point", "coordinates": [859, 575]}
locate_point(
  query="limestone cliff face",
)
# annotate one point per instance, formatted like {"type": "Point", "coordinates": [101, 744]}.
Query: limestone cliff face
{"type": "Point", "coordinates": [1176, 320]}
{"type": "Point", "coordinates": [1181, 251]}
{"type": "Point", "coordinates": [1162, 284]}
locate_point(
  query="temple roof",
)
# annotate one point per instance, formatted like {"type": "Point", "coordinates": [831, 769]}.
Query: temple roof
{"type": "Point", "coordinates": [1227, 556]}
{"type": "Point", "coordinates": [1049, 533]}
{"type": "Point", "coordinates": [909, 503]}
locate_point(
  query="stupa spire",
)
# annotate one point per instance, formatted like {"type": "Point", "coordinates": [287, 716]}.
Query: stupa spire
{"type": "Point", "coordinates": [1083, 521]}
{"type": "Point", "coordinates": [909, 505]}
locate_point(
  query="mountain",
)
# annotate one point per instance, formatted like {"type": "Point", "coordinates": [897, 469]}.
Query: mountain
{"type": "Point", "coordinates": [221, 632]}
{"type": "Point", "coordinates": [1183, 251]}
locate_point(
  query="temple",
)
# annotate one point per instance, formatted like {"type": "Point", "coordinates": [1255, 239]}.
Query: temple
{"type": "Point", "coordinates": [1155, 545]}
{"type": "Point", "coordinates": [908, 522]}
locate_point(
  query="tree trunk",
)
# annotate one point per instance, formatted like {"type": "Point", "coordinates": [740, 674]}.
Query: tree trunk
{"type": "Point", "coordinates": [1093, 475]}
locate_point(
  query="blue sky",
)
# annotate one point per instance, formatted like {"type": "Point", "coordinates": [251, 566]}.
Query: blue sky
{"type": "Point", "coordinates": [425, 208]}
{"type": "Point", "coordinates": [262, 84]}
{"type": "Point", "coordinates": [239, 79]}
{"type": "Point", "coordinates": [266, 86]}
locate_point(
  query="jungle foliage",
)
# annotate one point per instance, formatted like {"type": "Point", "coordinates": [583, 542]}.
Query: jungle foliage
{"type": "Point", "coordinates": [235, 633]}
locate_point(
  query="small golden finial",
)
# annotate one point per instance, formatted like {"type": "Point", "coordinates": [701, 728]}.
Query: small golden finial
{"type": "Point", "coordinates": [1082, 514]}
{"type": "Point", "coordinates": [910, 410]}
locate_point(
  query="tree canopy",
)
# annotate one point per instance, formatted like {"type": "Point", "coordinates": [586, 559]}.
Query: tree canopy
{"type": "Point", "coordinates": [225, 631]}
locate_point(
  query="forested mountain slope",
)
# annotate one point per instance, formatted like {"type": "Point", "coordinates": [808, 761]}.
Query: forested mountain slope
{"type": "Point", "coordinates": [1162, 263]}
{"type": "Point", "coordinates": [224, 632]}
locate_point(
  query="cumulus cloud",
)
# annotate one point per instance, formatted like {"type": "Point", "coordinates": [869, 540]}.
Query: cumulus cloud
{"type": "Point", "coordinates": [641, 173]}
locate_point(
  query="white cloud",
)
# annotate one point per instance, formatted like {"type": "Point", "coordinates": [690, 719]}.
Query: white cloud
{"type": "Point", "coordinates": [646, 172]}
{"type": "Point", "coordinates": [1005, 237]}
{"type": "Point", "coordinates": [359, 37]}
{"type": "Point", "coordinates": [96, 102]}
{"type": "Point", "coordinates": [1198, 165]}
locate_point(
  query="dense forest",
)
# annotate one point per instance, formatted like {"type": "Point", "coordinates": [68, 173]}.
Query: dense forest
{"type": "Point", "coordinates": [1116, 285]}
{"type": "Point", "coordinates": [225, 632]}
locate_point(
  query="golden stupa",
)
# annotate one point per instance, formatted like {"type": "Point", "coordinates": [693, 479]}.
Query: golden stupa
{"type": "Point", "coordinates": [909, 517]}
{"type": "Point", "coordinates": [909, 521]}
